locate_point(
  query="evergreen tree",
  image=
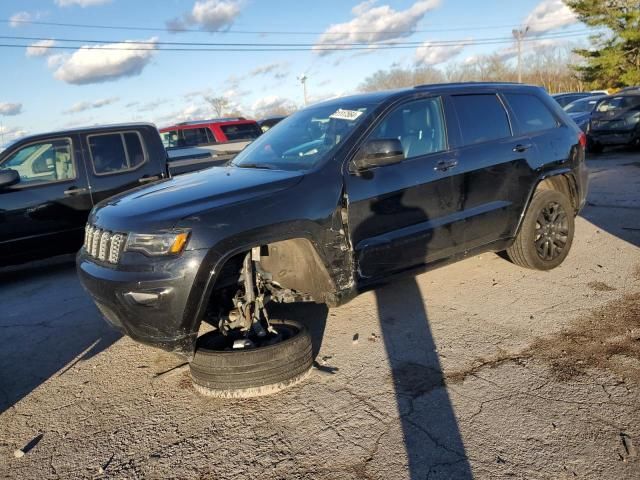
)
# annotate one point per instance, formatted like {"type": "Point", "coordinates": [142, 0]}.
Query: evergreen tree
{"type": "Point", "coordinates": [614, 59]}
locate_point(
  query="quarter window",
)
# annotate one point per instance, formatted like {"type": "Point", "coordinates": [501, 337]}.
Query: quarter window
{"type": "Point", "coordinates": [43, 162]}
{"type": "Point", "coordinates": [116, 152]}
{"type": "Point", "coordinates": [532, 114]}
{"type": "Point", "coordinates": [419, 126]}
{"type": "Point", "coordinates": [481, 117]}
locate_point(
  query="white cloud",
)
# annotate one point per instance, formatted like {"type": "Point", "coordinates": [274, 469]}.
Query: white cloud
{"type": "Point", "coordinates": [550, 15]}
{"type": "Point", "coordinates": [272, 104]}
{"type": "Point", "coordinates": [375, 24]}
{"type": "Point", "coordinates": [81, 3]}
{"type": "Point", "coordinates": [527, 47]}
{"type": "Point", "coordinates": [41, 48]}
{"type": "Point", "coordinates": [84, 106]}
{"type": "Point", "coordinates": [20, 18]}
{"type": "Point", "coordinates": [429, 54]}
{"type": "Point", "coordinates": [192, 111]}
{"type": "Point", "coordinates": [103, 63]}
{"type": "Point", "coordinates": [10, 109]}
{"type": "Point", "coordinates": [210, 15]}
{"type": "Point", "coordinates": [279, 70]}
{"type": "Point", "coordinates": [8, 134]}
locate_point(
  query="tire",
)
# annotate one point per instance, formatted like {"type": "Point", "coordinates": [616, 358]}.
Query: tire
{"type": "Point", "coordinates": [219, 371]}
{"type": "Point", "coordinates": [544, 246]}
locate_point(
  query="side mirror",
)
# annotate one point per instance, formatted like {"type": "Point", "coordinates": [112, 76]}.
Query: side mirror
{"type": "Point", "coordinates": [8, 177]}
{"type": "Point", "coordinates": [378, 153]}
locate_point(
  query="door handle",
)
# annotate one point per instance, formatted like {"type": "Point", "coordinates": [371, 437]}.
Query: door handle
{"type": "Point", "coordinates": [522, 147]}
{"type": "Point", "coordinates": [148, 179]}
{"type": "Point", "coordinates": [445, 165]}
{"type": "Point", "coordinates": [75, 191]}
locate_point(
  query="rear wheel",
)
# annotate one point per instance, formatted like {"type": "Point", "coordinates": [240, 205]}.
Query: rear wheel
{"type": "Point", "coordinates": [546, 233]}
{"type": "Point", "coordinates": [265, 365]}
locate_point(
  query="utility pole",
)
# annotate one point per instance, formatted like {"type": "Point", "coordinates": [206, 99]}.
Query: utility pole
{"type": "Point", "coordinates": [303, 80]}
{"type": "Point", "coordinates": [519, 34]}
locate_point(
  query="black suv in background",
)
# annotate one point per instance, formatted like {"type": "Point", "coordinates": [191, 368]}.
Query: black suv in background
{"type": "Point", "coordinates": [333, 200]}
{"type": "Point", "coordinates": [616, 121]}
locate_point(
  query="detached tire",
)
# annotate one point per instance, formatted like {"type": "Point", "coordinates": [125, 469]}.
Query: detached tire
{"type": "Point", "coordinates": [546, 233]}
{"type": "Point", "coordinates": [218, 371]}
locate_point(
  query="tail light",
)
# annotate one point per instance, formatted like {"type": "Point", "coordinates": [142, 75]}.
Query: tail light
{"type": "Point", "coordinates": [582, 139]}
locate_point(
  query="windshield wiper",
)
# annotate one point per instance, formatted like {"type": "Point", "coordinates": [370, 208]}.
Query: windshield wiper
{"type": "Point", "coordinates": [253, 165]}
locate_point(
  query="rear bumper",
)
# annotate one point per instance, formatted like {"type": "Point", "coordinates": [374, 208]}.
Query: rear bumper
{"type": "Point", "coordinates": [152, 306]}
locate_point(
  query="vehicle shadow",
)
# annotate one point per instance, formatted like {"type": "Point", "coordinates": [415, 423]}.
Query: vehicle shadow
{"type": "Point", "coordinates": [48, 325]}
{"type": "Point", "coordinates": [432, 437]}
{"type": "Point", "coordinates": [430, 429]}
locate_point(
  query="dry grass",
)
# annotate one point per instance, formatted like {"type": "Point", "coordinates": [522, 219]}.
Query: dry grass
{"type": "Point", "coordinates": [600, 287]}
{"type": "Point", "coordinates": [608, 338]}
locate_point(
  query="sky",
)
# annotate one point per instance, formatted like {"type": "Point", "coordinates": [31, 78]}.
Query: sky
{"type": "Point", "coordinates": [118, 80]}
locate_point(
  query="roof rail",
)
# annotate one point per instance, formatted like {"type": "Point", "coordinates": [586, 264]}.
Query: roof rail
{"type": "Point", "coordinates": [457, 84]}
{"type": "Point", "coordinates": [212, 120]}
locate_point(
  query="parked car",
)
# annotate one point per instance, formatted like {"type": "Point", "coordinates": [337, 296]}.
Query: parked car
{"type": "Point", "coordinates": [616, 121]}
{"type": "Point", "coordinates": [343, 196]}
{"type": "Point", "coordinates": [266, 123]}
{"type": "Point", "coordinates": [564, 99]}
{"type": "Point", "coordinates": [580, 110]}
{"type": "Point", "coordinates": [50, 182]}
{"type": "Point", "coordinates": [222, 135]}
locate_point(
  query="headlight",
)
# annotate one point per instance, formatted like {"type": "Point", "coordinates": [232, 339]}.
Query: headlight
{"type": "Point", "coordinates": [633, 119]}
{"type": "Point", "coordinates": [157, 243]}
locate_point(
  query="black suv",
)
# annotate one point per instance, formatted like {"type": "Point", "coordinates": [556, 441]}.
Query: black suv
{"type": "Point", "coordinates": [333, 200]}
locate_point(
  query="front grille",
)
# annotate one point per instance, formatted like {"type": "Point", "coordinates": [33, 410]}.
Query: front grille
{"type": "Point", "coordinates": [103, 245]}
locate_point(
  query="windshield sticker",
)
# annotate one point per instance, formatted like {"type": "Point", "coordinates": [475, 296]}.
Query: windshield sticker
{"type": "Point", "coordinates": [346, 114]}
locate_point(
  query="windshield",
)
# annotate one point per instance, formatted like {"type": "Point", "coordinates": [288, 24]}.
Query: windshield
{"type": "Point", "coordinates": [304, 139]}
{"type": "Point", "coordinates": [616, 103]}
{"type": "Point", "coordinates": [582, 106]}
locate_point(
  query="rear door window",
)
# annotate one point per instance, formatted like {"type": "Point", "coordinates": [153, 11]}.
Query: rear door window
{"type": "Point", "coordinates": [247, 131]}
{"type": "Point", "coordinates": [532, 114]}
{"type": "Point", "coordinates": [116, 152]}
{"type": "Point", "coordinates": [481, 117]}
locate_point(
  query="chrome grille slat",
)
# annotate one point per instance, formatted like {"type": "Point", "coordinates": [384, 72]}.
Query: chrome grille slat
{"type": "Point", "coordinates": [95, 242]}
{"type": "Point", "coordinates": [103, 245]}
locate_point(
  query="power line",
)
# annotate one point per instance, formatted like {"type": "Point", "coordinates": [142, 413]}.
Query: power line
{"type": "Point", "coordinates": [181, 46]}
{"type": "Point", "coordinates": [266, 32]}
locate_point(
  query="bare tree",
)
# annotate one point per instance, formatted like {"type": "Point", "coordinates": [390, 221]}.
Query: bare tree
{"type": "Point", "coordinates": [219, 104]}
{"type": "Point", "coordinates": [551, 67]}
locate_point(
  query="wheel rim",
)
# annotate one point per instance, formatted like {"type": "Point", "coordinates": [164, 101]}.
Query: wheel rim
{"type": "Point", "coordinates": [552, 231]}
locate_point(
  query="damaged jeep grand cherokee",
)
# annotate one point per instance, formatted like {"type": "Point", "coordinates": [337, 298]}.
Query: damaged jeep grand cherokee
{"type": "Point", "coordinates": [333, 200]}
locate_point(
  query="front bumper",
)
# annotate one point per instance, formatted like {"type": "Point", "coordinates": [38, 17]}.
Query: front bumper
{"type": "Point", "coordinates": [614, 137]}
{"type": "Point", "coordinates": [152, 304]}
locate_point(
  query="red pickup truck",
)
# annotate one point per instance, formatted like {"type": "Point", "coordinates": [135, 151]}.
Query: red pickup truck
{"type": "Point", "coordinates": [233, 133]}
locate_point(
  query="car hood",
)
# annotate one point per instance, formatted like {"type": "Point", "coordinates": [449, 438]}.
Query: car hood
{"type": "Point", "coordinates": [163, 204]}
{"type": "Point", "coordinates": [580, 116]}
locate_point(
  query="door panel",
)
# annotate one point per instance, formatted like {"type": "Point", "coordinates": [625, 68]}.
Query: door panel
{"type": "Point", "coordinates": [401, 215]}
{"type": "Point", "coordinates": [497, 179]}
{"type": "Point", "coordinates": [495, 167]}
{"type": "Point", "coordinates": [40, 216]}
